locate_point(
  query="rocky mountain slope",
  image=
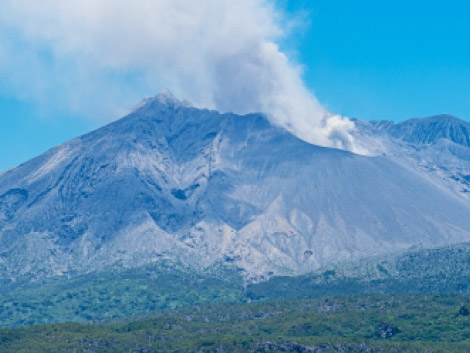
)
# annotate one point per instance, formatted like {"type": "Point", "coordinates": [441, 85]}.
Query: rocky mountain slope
{"type": "Point", "coordinates": [437, 145]}
{"type": "Point", "coordinates": [173, 182]}
{"type": "Point", "coordinates": [428, 130]}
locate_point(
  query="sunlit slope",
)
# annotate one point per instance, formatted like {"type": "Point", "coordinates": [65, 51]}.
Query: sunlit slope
{"type": "Point", "coordinates": [170, 181]}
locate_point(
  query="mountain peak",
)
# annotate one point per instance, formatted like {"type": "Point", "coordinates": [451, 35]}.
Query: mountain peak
{"type": "Point", "coordinates": [441, 119]}
{"type": "Point", "coordinates": [163, 98]}
{"type": "Point", "coordinates": [166, 97]}
{"type": "Point", "coordinates": [429, 130]}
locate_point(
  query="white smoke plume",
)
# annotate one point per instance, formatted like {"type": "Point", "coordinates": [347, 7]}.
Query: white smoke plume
{"type": "Point", "coordinates": [97, 57]}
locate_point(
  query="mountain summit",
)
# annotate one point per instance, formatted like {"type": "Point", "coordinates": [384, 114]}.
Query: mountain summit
{"type": "Point", "coordinates": [173, 182]}
{"type": "Point", "coordinates": [429, 130]}
{"type": "Point", "coordinates": [166, 98]}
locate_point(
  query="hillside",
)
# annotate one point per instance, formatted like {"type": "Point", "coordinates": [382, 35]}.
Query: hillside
{"type": "Point", "coordinates": [117, 293]}
{"type": "Point", "coordinates": [170, 182]}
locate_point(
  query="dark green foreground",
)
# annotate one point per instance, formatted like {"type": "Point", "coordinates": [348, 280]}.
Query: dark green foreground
{"type": "Point", "coordinates": [407, 323]}
{"type": "Point", "coordinates": [410, 302]}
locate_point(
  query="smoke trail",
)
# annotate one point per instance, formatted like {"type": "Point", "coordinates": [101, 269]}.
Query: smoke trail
{"type": "Point", "coordinates": [98, 57]}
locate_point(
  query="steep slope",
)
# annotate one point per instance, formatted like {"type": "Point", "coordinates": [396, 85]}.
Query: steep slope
{"type": "Point", "coordinates": [438, 145]}
{"type": "Point", "coordinates": [170, 181]}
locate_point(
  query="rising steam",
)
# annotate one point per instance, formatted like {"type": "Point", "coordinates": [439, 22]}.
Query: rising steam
{"type": "Point", "coordinates": [98, 57]}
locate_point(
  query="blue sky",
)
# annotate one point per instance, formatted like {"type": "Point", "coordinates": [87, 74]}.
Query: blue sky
{"type": "Point", "coordinates": [388, 59]}
{"type": "Point", "coordinates": [362, 59]}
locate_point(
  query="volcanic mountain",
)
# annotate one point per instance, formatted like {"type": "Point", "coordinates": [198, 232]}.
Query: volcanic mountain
{"type": "Point", "coordinates": [170, 181]}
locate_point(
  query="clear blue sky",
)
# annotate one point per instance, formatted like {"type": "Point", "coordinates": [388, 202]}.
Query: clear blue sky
{"type": "Point", "coordinates": [363, 59]}
{"type": "Point", "coordinates": [388, 59]}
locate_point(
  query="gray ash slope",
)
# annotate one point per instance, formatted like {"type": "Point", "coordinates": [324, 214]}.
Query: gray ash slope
{"type": "Point", "coordinates": [438, 145]}
{"type": "Point", "coordinates": [170, 181]}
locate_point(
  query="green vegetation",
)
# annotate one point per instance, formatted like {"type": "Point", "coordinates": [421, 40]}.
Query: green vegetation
{"type": "Point", "coordinates": [439, 271]}
{"type": "Point", "coordinates": [356, 307]}
{"type": "Point", "coordinates": [413, 323]}
{"type": "Point", "coordinates": [122, 292]}
{"type": "Point", "coordinates": [100, 297]}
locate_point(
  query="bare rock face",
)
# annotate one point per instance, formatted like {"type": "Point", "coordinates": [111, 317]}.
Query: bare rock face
{"type": "Point", "coordinates": [170, 181]}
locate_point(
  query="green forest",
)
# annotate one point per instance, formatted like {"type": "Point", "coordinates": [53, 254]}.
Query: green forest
{"type": "Point", "coordinates": [385, 323]}
{"type": "Point", "coordinates": [417, 301]}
